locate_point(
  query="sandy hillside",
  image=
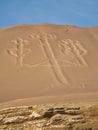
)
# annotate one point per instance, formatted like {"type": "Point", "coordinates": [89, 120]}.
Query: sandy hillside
{"type": "Point", "coordinates": [48, 63]}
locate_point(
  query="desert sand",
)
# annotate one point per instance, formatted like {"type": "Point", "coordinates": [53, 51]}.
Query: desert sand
{"type": "Point", "coordinates": [48, 63]}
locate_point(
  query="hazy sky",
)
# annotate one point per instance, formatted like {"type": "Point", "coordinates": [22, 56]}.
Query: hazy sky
{"type": "Point", "coordinates": [76, 12]}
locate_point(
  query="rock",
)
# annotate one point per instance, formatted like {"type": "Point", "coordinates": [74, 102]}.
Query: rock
{"type": "Point", "coordinates": [69, 126]}
{"type": "Point", "coordinates": [73, 110]}
{"type": "Point", "coordinates": [34, 115]}
{"type": "Point", "coordinates": [20, 113]}
{"type": "Point", "coordinates": [37, 124]}
{"type": "Point", "coordinates": [76, 120]}
{"type": "Point", "coordinates": [1, 119]}
{"type": "Point", "coordinates": [60, 110]}
{"type": "Point", "coordinates": [43, 117]}
{"type": "Point", "coordinates": [56, 118]}
{"type": "Point", "coordinates": [48, 112]}
{"type": "Point", "coordinates": [15, 109]}
{"type": "Point", "coordinates": [16, 119]}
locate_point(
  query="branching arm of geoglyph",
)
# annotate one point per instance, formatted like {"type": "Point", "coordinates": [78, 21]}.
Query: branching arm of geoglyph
{"type": "Point", "coordinates": [18, 51]}
{"type": "Point", "coordinates": [75, 49]}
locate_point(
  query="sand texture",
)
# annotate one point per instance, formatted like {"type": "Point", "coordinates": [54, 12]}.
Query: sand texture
{"type": "Point", "coordinates": [48, 63]}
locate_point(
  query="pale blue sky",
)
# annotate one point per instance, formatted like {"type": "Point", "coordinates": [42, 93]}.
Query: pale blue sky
{"type": "Point", "coordinates": [82, 13]}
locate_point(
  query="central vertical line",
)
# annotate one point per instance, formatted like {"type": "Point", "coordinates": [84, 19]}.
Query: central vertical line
{"type": "Point", "coordinates": [20, 52]}
{"type": "Point", "coordinates": [54, 63]}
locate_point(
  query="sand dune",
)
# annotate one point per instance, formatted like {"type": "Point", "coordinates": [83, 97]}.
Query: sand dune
{"type": "Point", "coordinates": [48, 61]}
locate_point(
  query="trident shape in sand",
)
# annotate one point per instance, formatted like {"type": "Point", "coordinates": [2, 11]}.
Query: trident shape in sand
{"type": "Point", "coordinates": [44, 38]}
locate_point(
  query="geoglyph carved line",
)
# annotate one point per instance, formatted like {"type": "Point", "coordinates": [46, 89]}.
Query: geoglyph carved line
{"type": "Point", "coordinates": [74, 49]}
{"type": "Point", "coordinates": [20, 47]}
{"type": "Point", "coordinates": [67, 47]}
{"type": "Point", "coordinates": [67, 63]}
{"type": "Point", "coordinates": [41, 43]}
{"type": "Point", "coordinates": [53, 61]}
{"type": "Point", "coordinates": [37, 64]}
{"type": "Point", "coordinates": [18, 51]}
{"type": "Point", "coordinates": [43, 39]}
{"type": "Point", "coordinates": [55, 64]}
{"type": "Point", "coordinates": [39, 37]}
{"type": "Point", "coordinates": [83, 51]}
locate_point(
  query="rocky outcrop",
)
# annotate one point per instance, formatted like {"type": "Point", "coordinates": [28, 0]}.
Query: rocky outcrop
{"type": "Point", "coordinates": [34, 116]}
{"type": "Point", "coordinates": [47, 118]}
{"type": "Point", "coordinates": [73, 110]}
{"type": "Point", "coordinates": [47, 113]}
{"type": "Point", "coordinates": [16, 119]}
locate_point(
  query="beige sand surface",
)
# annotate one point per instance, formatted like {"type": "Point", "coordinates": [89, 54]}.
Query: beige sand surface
{"type": "Point", "coordinates": [48, 63]}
